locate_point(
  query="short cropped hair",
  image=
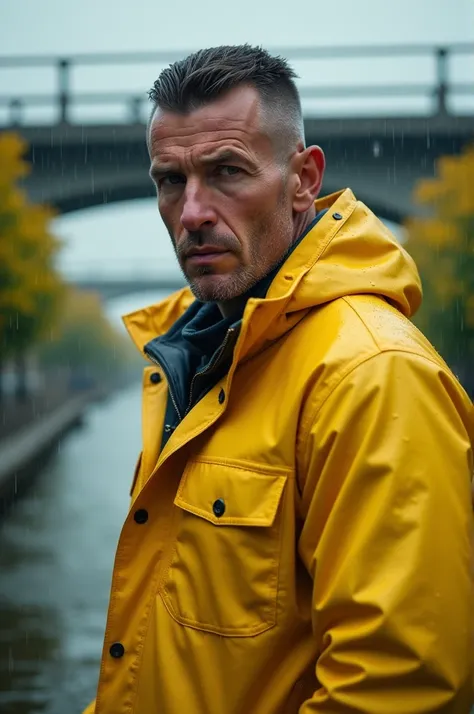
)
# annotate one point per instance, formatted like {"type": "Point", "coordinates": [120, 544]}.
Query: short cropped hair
{"type": "Point", "coordinates": [205, 75]}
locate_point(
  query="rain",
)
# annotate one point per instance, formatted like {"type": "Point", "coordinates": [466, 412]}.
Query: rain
{"type": "Point", "coordinates": [387, 93]}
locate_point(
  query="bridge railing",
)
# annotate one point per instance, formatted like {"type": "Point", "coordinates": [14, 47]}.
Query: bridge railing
{"type": "Point", "coordinates": [110, 270]}
{"type": "Point", "coordinates": [65, 96]}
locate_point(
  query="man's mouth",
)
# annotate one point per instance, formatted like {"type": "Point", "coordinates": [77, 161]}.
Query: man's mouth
{"type": "Point", "coordinates": [205, 254]}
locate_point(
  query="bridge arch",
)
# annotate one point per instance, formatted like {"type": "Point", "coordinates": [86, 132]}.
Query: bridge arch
{"type": "Point", "coordinates": [380, 159]}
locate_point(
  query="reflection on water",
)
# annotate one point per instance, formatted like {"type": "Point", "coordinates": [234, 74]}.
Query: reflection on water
{"type": "Point", "coordinates": [56, 554]}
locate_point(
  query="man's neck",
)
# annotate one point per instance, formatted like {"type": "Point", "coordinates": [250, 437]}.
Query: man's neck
{"type": "Point", "coordinates": [302, 221]}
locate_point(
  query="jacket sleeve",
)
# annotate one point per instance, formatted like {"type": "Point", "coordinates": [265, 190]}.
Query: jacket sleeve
{"type": "Point", "coordinates": [387, 540]}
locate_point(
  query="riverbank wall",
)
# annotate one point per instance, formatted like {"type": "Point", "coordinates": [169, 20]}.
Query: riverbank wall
{"type": "Point", "coordinates": [22, 453]}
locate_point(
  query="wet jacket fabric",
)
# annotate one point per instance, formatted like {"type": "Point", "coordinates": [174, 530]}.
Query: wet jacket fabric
{"type": "Point", "coordinates": [303, 542]}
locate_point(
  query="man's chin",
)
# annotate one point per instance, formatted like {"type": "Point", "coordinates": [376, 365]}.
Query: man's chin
{"type": "Point", "coordinates": [219, 287]}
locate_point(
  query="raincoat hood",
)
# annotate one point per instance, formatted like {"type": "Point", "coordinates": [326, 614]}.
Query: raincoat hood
{"type": "Point", "coordinates": [348, 252]}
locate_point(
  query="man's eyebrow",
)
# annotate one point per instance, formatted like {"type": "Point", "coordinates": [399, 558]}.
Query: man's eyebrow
{"type": "Point", "coordinates": [158, 170]}
{"type": "Point", "coordinates": [219, 156]}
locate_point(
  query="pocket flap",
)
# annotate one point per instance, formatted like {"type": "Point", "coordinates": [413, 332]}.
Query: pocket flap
{"type": "Point", "coordinates": [245, 497]}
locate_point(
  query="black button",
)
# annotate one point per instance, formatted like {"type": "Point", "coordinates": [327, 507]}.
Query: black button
{"type": "Point", "coordinates": [141, 516]}
{"type": "Point", "coordinates": [337, 216]}
{"type": "Point", "coordinates": [117, 650]}
{"type": "Point", "coordinates": [221, 396]}
{"type": "Point", "coordinates": [155, 377]}
{"type": "Point", "coordinates": [219, 507]}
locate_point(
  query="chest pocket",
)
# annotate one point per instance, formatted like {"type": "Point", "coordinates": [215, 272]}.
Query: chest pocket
{"type": "Point", "coordinates": [223, 574]}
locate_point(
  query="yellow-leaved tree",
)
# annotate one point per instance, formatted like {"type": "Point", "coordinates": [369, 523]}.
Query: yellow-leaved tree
{"type": "Point", "coordinates": [443, 248]}
{"type": "Point", "coordinates": [30, 287]}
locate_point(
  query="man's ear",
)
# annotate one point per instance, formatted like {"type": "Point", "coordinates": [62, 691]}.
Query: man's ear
{"type": "Point", "coordinates": [309, 166]}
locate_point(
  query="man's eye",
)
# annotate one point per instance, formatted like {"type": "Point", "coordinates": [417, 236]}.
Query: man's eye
{"type": "Point", "coordinates": [172, 180]}
{"type": "Point", "coordinates": [225, 170]}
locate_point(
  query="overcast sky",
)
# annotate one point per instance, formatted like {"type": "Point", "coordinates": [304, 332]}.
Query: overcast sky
{"type": "Point", "coordinates": [63, 26]}
{"type": "Point", "coordinates": [133, 231]}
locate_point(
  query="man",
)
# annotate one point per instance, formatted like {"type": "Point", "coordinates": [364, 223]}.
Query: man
{"type": "Point", "coordinates": [299, 538]}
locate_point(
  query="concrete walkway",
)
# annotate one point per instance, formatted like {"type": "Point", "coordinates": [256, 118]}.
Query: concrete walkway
{"type": "Point", "coordinates": [21, 451]}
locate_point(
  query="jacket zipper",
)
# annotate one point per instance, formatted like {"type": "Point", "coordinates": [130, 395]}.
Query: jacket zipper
{"type": "Point", "coordinates": [159, 364]}
{"type": "Point", "coordinates": [209, 367]}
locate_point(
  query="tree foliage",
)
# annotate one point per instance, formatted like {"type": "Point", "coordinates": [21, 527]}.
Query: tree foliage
{"type": "Point", "coordinates": [66, 328]}
{"type": "Point", "coordinates": [30, 287]}
{"type": "Point", "coordinates": [443, 248]}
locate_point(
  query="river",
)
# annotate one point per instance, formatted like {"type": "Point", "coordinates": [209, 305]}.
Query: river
{"type": "Point", "coordinates": [57, 547]}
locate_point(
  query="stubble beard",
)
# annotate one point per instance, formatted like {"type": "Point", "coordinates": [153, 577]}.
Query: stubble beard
{"type": "Point", "coordinates": [271, 236]}
{"type": "Point", "coordinates": [208, 286]}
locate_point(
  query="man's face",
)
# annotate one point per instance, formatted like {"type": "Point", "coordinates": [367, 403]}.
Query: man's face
{"type": "Point", "coordinates": [222, 193]}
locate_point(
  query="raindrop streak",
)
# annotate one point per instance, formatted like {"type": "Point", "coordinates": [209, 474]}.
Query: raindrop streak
{"type": "Point", "coordinates": [11, 661]}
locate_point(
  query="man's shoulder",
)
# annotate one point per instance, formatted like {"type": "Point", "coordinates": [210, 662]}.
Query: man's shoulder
{"type": "Point", "coordinates": [366, 325]}
{"type": "Point", "coordinates": [361, 343]}
{"type": "Point", "coordinates": [349, 331]}
{"type": "Point", "coordinates": [384, 325]}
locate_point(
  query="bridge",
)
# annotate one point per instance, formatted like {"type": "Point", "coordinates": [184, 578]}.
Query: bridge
{"type": "Point", "coordinates": [111, 288]}
{"type": "Point", "coordinates": [121, 277]}
{"type": "Point", "coordinates": [379, 153]}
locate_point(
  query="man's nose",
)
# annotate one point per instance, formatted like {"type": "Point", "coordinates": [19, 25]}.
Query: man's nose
{"type": "Point", "coordinates": [197, 210]}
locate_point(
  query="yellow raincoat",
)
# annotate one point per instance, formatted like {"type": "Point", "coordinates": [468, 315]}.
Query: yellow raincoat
{"type": "Point", "coordinates": [304, 541]}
